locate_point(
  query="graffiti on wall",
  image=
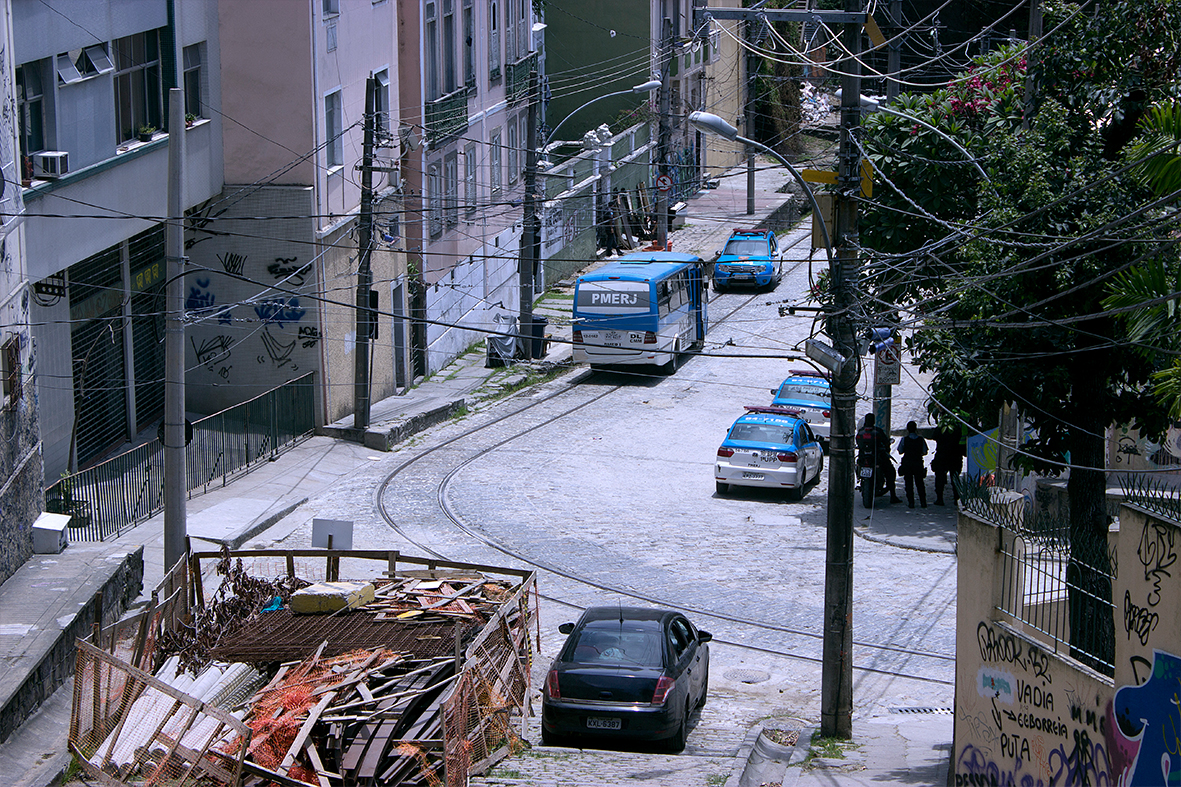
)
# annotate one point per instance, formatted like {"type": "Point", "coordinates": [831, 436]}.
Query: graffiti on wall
{"type": "Point", "coordinates": [1035, 727]}
{"type": "Point", "coordinates": [1148, 720]}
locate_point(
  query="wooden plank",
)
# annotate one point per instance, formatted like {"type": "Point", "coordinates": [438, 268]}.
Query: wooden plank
{"type": "Point", "coordinates": [305, 731]}
{"type": "Point", "coordinates": [317, 765]}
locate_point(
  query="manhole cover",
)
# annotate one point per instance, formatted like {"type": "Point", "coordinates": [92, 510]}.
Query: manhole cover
{"type": "Point", "coordinates": [747, 675]}
{"type": "Point", "coordinates": [921, 710]}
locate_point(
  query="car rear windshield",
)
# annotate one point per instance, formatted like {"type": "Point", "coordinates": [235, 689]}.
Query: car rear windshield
{"type": "Point", "coordinates": [634, 642]}
{"type": "Point", "coordinates": [761, 433]}
{"type": "Point", "coordinates": [800, 392]}
{"type": "Point", "coordinates": [746, 247]}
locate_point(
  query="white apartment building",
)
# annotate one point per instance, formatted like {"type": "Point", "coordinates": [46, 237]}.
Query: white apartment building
{"type": "Point", "coordinates": [91, 105]}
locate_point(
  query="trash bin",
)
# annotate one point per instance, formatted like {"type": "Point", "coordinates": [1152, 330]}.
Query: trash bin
{"type": "Point", "coordinates": [539, 349]}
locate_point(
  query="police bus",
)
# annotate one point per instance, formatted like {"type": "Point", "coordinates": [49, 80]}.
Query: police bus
{"type": "Point", "coordinates": [644, 308]}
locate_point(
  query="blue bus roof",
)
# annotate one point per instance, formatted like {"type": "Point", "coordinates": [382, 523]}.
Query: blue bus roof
{"type": "Point", "coordinates": [640, 266]}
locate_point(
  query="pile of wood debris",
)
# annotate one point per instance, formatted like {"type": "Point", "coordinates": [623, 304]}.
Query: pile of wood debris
{"type": "Point", "coordinates": [333, 683]}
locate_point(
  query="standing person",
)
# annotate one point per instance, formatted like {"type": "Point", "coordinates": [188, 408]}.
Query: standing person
{"type": "Point", "coordinates": [873, 440]}
{"type": "Point", "coordinates": [914, 470]}
{"type": "Point", "coordinates": [949, 460]}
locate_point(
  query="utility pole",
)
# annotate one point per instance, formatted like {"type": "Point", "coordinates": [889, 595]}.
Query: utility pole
{"type": "Point", "coordinates": [364, 315]}
{"type": "Point", "coordinates": [666, 51]}
{"type": "Point", "coordinates": [531, 234]}
{"type": "Point", "coordinates": [748, 114]}
{"type": "Point", "coordinates": [836, 689]}
{"type": "Point", "coordinates": [894, 63]}
{"type": "Point", "coordinates": [175, 486]}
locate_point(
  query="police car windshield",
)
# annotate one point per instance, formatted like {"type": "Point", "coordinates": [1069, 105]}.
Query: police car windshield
{"type": "Point", "coordinates": [746, 247]}
{"type": "Point", "coordinates": [801, 392]}
{"type": "Point", "coordinates": [761, 433]}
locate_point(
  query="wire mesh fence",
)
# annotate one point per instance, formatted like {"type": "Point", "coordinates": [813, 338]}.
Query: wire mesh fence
{"type": "Point", "coordinates": [110, 498]}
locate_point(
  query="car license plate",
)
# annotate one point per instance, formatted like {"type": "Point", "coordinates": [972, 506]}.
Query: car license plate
{"type": "Point", "coordinates": [753, 476]}
{"type": "Point", "coordinates": [603, 724]}
{"type": "Point", "coordinates": [866, 472]}
{"type": "Point", "coordinates": [743, 276]}
{"type": "Point", "coordinates": [612, 336]}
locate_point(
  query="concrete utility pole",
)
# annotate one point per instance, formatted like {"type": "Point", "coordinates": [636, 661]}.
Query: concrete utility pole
{"type": "Point", "coordinates": [836, 689]}
{"type": "Point", "coordinates": [666, 57]}
{"type": "Point", "coordinates": [365, 317]}
{"type": "Point", "coordinates": [531, 229]}
{"type": "Point", "coordinates": [175, 485]}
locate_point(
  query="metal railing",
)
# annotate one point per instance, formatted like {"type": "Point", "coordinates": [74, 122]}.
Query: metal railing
{"type": "Point", "coordinates": [446, 117]}
{"type": "Point", "coordinates": [517, 83]}
{"type": "Point", "coordinates": [110, 498]}
{"type": "Point", "coordinates": [1152, 495]}
{"type": "Point", "coordinates": [1055, 584]}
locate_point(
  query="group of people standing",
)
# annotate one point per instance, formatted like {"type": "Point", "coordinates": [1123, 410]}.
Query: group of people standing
{"type": "Point", "coordinates": [947, 462]}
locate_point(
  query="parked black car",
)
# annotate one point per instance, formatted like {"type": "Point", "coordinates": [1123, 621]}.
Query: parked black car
{"type": "Point", "coordinates": [626, 672]}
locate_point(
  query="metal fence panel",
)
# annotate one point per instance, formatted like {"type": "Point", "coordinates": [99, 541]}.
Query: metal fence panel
{"type": "Point", "coordinates": [110, 498]}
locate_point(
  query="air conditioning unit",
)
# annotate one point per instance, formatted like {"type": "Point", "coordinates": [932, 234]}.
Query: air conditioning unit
{"type": "Point", "coordinates": [51, 164]}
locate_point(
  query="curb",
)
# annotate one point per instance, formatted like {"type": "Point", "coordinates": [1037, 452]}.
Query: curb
{"type": "Point", "coordinates": [387, 437]}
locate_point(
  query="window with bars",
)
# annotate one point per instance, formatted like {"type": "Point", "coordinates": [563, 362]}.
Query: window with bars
{"type": "Point", "coordinates": [469, 44]}
{"type": "Point", "coordinates": [10, 358]}
{"type": "Point", "coordinates": [493, 40]}
{"type": "Point", "coordinates": [30, 107]}
{"type": "Point", "coordinates": [449, 62]}
{"type": "Point", "coordinates": [434, 200]}
{"type": "Point", "coordinates": [451, 189]}
{"type": "Point", "coordinates": [469, 180]}
{"type": "Point", "coordinates": [192, 79]}
{"type": "Point", "coordinates": [381, 104]}
{"type": "Point", "coordinates": [513, 148]}
{"type": "Point", "coordinates": [334, 127]}
{"type": "Point", "coordinates": [494, 170]}
{"type": "Point", "coordinates": [139, 97]}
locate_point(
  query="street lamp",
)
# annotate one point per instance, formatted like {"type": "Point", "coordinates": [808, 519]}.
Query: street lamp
{"type": "Point", "coordinates": [647, 87]}
{"type": "Point", "coordinates": [712, 124]}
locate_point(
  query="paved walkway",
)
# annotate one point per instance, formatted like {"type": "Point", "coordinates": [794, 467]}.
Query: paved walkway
{"type": "Point", "coordinates": [36, 753]}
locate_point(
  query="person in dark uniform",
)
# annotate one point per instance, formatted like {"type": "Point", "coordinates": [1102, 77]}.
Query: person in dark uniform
{"type": "Point", "coordinates": [913, 448]}
{"type": "Point", "coordinates": [948, 460]}
{"type": "Point", "coordinates": [873, 440]}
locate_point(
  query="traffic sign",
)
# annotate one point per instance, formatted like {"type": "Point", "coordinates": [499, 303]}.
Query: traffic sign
{"type": "Point", "coordinates": [887, 368]}
{"type": "Point", "coordinates": [664, 183]}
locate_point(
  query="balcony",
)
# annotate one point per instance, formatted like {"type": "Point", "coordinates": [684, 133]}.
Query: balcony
{"type": "Point", "coordinates": [517, 83]}
{"type": "Point", "coordinates": [446, 117]}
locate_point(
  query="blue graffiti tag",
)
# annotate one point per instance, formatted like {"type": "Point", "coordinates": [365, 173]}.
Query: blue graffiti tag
{"type": "Point", "coordinates": [280, 310]}
{"type": "Point", "coordinates": [200, 299]}
{"type": "Point", "coordinates": [1150, 714]}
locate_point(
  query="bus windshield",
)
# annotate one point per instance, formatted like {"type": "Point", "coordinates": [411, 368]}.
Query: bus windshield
{"type": "Point", "coordinates": [613, 297]}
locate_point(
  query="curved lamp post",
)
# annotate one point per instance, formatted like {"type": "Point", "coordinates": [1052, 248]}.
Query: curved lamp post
{"type": "Point", "coordinates": [713, 124]}
{"type": "Point", "coordinates": [647, 87]}
{"type": "Point", "coordinates": [873, 105]}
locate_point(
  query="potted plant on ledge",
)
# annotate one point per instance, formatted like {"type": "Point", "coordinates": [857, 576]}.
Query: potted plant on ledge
{"type": "Point", "coordinates": [190, 119]}
{"type": "Point", "coordinates": [146, 132]}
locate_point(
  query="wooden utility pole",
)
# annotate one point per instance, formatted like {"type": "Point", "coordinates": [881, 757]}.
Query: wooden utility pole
{"type": "Point", "coordinates": [365, 317]}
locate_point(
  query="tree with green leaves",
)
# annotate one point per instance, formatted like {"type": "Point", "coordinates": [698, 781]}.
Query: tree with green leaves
{"type": "Point", "coordinates": [1005, 280]}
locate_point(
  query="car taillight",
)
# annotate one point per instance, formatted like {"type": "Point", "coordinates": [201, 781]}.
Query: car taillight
{"type": "Point", "coordinates": [788, 457]}
{"type": "Point", "coordinates": [725, 452]}
{"type": "Point", "coordinates": [828, 413]}
{"type": "Point", "coordinates": [663, 687]}
{"type": "Point", "coordinates": [649, 337]}
{"type": "Point", "coordinates": [551, 685]}
{"type": "Point", "coordinates": [578, 337]}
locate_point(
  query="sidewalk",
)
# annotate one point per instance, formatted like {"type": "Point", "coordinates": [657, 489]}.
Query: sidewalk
{"type": "Point", "coordinates": [45, 599]}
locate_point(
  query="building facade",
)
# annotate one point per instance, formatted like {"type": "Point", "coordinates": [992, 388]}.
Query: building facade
{"type": "Point", "coordinates": [277, 249]}
{"type": "Point", "coordinates": [92, 109]}
{"type": "Point", "coordinates": [465, 67]}
{"type": "Point", "coordinates": [21, 469]}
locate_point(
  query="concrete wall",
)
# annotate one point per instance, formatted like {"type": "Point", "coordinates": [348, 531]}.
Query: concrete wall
{"type": "Point", "coordinates": [21, 470]}
{"type": "Point", "coordinates": [1026, 714]}
{"type": "Point", "coordinates": [250, 337]}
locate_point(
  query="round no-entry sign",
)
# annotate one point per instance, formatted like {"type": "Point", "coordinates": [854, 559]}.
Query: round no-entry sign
{"type": "Point", "coordinates": [664, 183]}
{"type": "Point", "coordinates": [888, 366]}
